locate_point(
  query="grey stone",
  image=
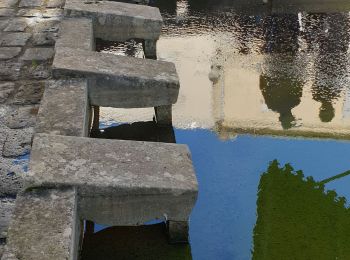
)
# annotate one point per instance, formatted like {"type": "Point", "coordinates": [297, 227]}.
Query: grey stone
{"type": "Point", "coordinates": [7, 53]}
{"type": "Point", "coordinates": [14, 39]}
{"type": "Point", "coordinates": [29, 93]}
{"type": "Point", "coordinates": [163, 115]}
{"type": "Point", "coordinates": [31, 3]}
{"type": "Point", "coordinates": [55, 3]}
{"type": "Point", "coordinates": [49, 13]}
{"type": "Point", "coordinates": [5, 12]}
{"type": "Point", "coordinates": [9, 70]}
{"type": "Point", "coordinates": [38, 54]}
{"type": "Point", "coordinates": [150, 49]}
{"type": "Point", "coordinates": [119, 182]}
{"type": "Point", "coordinates": [30, 13]}
{"type": "Point", "coordinates": [22, 116]}
{"type": "Point", "coordinates": [7, 3]}
{"type": "Point", "coordinates": [16, 25]}
{"type": "Point", "coordinates": [38, 71]}
{"type": "Point", "coordinates": [69, 116]}
{"type": "Point", "coordinates": [76, 33]}
{"type": "Point", "coordinates": [7, 206]}
{"type": "Point", "coordinates": [3, 24]}
{"type": "Point", "coordinates": [117, 81]}
{"type": "Point", "coordinates": [6, 89]}
{"type": "Point", "coordinates": [40, 39]}
{"type": "Point", "coordinates": [18, 142]}
{"type": "Point", "coordinates": [11, 178]}
{"type": "Point", "coordinates": [44, 226]}
{"type": "Point", "coordinates": [116, 21]}
{"type": "Point", "coordinates": [46, 25]}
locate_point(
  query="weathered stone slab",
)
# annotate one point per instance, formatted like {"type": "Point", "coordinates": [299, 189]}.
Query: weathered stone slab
{"type": "Point", "coordinates": [69, 116]}
{"type": "Point", "coordinates": [31, 3]}
{"type": "Point", "coordinates": [5, 12]}
{"type": "Point", "coordinates": [6, 89]}
{"type": "Point", "coordinates": [29, 92]}
{"type": "Point", "coordinates": [22, 116]}
{"type": "Point", "coordinates": [7, 53]}
{"type": "Point", "coordinates": [6, 210]}
{"type": "Point", "coordinates": [18, 142]}
{"type": "Point", "coordinates": [44, 226]}
{"type": "Point", "coordinates": [38, 54]}
{"type": "Point", "coordinates": [7, 3]}
{"type": "Point", "coordinates": [119, 182]}
{"type": "Point", "coordinates": [14, 39]}
{"type": "Point", "coordinates": [117, 81]}
{"type": "Point", "coordinates": [76, 33]}
{"type": "Point", "coordinates": [16, 25]}
{"type": "Point", "coordinates": [116, 21]}
{"type": "Point", "coordinates": [9, 70]}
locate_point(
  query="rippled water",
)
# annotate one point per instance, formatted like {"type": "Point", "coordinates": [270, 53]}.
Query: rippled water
{"type": "Point", "coordinates": [250, 68]}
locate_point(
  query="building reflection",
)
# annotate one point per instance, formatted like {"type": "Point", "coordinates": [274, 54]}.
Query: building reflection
{"type": "Point", "coordinates": [298, 219]}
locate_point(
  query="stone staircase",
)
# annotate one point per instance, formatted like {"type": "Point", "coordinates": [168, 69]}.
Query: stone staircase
{"type": "Point", "coordinates": [73, 178]}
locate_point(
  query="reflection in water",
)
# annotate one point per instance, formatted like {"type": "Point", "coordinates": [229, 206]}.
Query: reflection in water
{"type": "Point", "coordinates": [127, 243]}
{"type": "Point", "coordinates": [297, 219]}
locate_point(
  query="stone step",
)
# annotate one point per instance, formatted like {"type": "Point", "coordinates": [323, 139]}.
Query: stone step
{"type": "Point", "coordinates": [116, 21]}
{"type": "Point", "coordinates": [44, 226]}
{"type": "Point", "coordinates": [76, 33]}
{"type": "Point", "coordinates": [118, 81]}
{"type": "Point", "coordinates": [119, 182]}
{"type": "Point", "coordinates": [64, 108]}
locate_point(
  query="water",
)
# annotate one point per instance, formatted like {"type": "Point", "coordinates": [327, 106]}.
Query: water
{"type": "Point", "coordinates": [248, 70]}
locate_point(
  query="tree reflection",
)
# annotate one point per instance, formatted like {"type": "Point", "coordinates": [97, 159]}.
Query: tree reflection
{"type": "Point", "coordinates": [298, 219]}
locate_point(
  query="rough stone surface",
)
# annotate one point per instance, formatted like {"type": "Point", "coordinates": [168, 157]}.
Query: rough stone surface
{"type": "Point", "coordinates": [76, 33]}
{"type": "Point", "coordinates": [7, 53]}
{"type": "Point", "coordinates": [16, 25]}
{"type": "Point", "coordinates": [38, 54]}
{"type": "Point", "coordinates": [7, 3]}
{"type": "Point", "coordinates": [6, 89]}
{"type": "Point", "coordinates": [14, 39]}
{"type": "Point", "coordinates": [55, 3]}
{"type": "Point", "coordinates": [18, 142]}
{"type": "Point", "coordinates": [40, 39]}
{"type": "Point", "coordinates": [119, 182]}
{"type": "Point", "coordinates": [6, 209]}
{"type": "Point", "coordinates": [117, 81]}
{"type": "Point", "coordinates": [56, 12]}
{"type": "Point", "coordinates": [69, 116]}
{"type": "Point", "coordinates": [29, 93]}
{"type": "Point", "coordinates": [116, 21]}
{"type": "Point", "coordinates": [31, 3]}
{"type": "Point", "coordinates": [39, 71]}
{"type": "Point", "coordinates": [9, 70]}
{"type": "Point", "coordinates": [5, 12]}
{"type": "Point", "coordinates": [22, 116]}
{"type": "Point", "coordinates": [43, 226]}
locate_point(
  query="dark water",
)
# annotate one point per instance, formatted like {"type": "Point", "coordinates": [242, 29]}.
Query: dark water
{"type": "Point", "coordinates": [251, 68]}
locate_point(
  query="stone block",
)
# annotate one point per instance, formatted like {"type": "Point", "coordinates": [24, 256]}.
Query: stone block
{"type": "Point", "coordinates": [18, 142]}
{"type": "Point", "coordinates": [69, 116]}
{"type": "Point", "coordinates": [76, 33]}
{"type": "Point", "coordinates": [55, 3]}
{"type": "Point", "coordinates": [5, 12]}
{"type": "Point", "coordinates": [116, 21]}
{"type": "Point", "coordinates": [21, 117]}
{"type": "Point", "coordinates": [16, 25]}
{"type": "Point", "coordinates": [30, 3]}
{"type": "Point", "coordinates": [117, 81]}
{"type": "Point", "coordinates": [7, 53]}
{"type": "Point", "coordinates": [38, 54]}
{"type": "Point", "coordinates": [119, 182]}
{"type": "Point", "coordinates": [29, 92]}
{"type": "Point", "coordinates": [6, 209]}
{"type": "Point", "coordinates": [6, 89]}
{"type": "Point", "coordinates": [7, 3]}
{"type": "Point", "coordinates": [14, 39]}
{"type": "Point", "coordinates": [44, 226]}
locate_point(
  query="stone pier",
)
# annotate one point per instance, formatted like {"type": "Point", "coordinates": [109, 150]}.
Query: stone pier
{"type": "Point", "coordinates": [72, 177]}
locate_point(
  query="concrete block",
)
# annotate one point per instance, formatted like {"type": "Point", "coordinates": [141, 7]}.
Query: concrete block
{"type": "Point", "coordinates": [64, 108]}
{"type": "Point", "coordinates": [117, 81]}
{"type": "Point", "coordinates": [76, 33]}
{"type": "Point", "coordinates": [44, 226]}
{"type": "Point", "coordinates": [119, 182]}
{"type": "Point", "coordinates": [116, 21]}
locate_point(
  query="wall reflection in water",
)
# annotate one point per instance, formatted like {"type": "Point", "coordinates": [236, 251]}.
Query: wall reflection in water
{"type": "Point", "coordinates": [298, 219]}
{"type": "Point", "coordinates": [244, 67]}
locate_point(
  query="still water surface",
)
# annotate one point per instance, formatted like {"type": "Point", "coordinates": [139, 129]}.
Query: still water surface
{"type": "Point", "coordinates": [246, 69]}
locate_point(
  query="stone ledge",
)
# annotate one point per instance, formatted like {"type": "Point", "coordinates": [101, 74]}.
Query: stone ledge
{"type": "Point", "coordinates": [119, 182]}
{"type": "Point", "coordinates": [64, 108]}
{"type": "Point", "coordinates": [76, 33]}
{"type": "Point", "coordinates": [117, 81]}
{"type": "Point", "coordinates": [116, 21]}
{"type": "Point", "coordinates": [44, 226]}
